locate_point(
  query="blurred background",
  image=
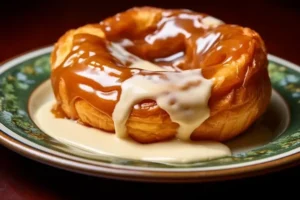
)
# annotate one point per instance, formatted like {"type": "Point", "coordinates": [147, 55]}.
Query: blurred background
{"type": "Point", "coordinates": [30, 24]}
{"type": "Point", "coordinates": [27, 25]}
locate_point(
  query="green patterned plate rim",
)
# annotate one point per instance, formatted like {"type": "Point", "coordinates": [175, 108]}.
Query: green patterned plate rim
{"type": "Point", "coordinates": [20, 76]}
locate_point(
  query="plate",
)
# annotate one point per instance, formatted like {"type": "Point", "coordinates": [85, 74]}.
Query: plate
{"type": "Point", "coordinates": [272, 143]}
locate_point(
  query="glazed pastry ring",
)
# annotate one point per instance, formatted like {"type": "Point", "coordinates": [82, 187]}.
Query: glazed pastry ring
{"type": "Point", "coordinates": [89, 72]}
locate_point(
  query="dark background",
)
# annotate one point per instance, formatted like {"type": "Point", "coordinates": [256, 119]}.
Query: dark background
{"type": "Point", "coordinates": [30, 24]}
{"type": "Point", "coordinates": [27, 25]}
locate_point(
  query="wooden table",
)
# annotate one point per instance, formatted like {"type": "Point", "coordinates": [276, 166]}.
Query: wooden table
{"type": "Point", "coordinates": [41, 23]}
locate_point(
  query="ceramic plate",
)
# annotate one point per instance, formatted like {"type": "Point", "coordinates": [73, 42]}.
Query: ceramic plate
{"type": "Point", "coordinates": [272, 143]}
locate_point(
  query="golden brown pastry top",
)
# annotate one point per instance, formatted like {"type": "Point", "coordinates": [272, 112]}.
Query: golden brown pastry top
{"type": "Point", "coordinates": [169, 38]}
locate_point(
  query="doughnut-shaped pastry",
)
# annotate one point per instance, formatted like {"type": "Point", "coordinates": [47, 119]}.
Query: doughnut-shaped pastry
{"type": "Point", "coordinates": [217, 72]}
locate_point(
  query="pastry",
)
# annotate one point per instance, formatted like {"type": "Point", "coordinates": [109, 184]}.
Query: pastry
{"type": "Point", "coordinates": [186, 75]}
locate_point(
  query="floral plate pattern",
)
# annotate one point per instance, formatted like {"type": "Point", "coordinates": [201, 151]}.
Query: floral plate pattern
{"type": "Point", "coordinates": [22, 75]}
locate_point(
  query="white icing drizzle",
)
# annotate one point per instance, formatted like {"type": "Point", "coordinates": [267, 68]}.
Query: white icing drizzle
{"type": "Point", "coordinates": [145, 65]}
{"type": "Point", "coordinates": [121, 54]}
{"type": "Point", "coordinates": [96, 142]}
{"type": "Point", "coordinates": [183, 95]}
{"type": "Point", "coordinates": [124, 56]}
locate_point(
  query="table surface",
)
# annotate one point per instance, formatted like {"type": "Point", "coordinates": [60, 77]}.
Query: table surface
{"type": "Point", "coordinates": [32, 24]}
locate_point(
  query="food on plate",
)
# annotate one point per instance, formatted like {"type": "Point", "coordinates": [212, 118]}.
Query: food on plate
{"type": "Point", "coordinates": [155, 74]}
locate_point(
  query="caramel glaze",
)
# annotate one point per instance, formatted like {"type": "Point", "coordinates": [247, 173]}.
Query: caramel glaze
{"type": "Point", "coordinates": [177, 38]}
